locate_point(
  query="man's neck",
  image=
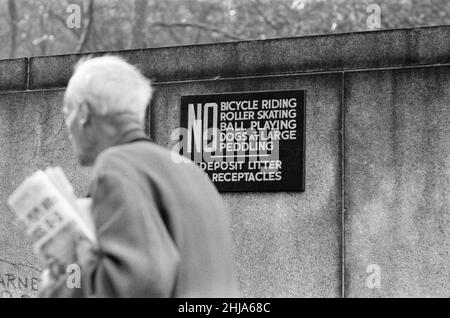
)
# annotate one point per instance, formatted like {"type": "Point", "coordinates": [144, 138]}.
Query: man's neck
{"type": "Point", "coordinates": [114, 134]}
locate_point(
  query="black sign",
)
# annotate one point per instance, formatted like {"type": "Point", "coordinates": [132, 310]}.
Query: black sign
{"type": "Point", "coordinates": [251, 141]}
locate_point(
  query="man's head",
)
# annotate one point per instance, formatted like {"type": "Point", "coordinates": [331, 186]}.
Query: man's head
{"type": "Point", "coordinates": [104, 97]}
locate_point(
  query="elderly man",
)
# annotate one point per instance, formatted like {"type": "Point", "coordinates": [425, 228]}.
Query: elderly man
{"type": "Point", "coordinates": [161, 226]}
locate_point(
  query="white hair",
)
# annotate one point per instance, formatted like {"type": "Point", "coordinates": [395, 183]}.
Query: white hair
{"type": "Point", "coordinates": [110, 86]}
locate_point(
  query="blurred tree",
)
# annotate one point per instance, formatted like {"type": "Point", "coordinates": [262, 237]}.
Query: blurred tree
{"type": "Point", "coordinates": [138, 36]}
{"type": "Point", "coordinates": [13, 23]}
{"type": "Point", "coordinates": [39, 27]}
{"type": "Point", "coordinates": [87, 27]}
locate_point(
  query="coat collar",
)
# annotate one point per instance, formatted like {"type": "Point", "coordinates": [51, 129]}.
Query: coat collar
{"type": "Point", "coordinates": [132, 135]}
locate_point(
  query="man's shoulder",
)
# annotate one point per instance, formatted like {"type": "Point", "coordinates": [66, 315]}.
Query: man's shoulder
{"type": "Point", "coordinates": [144, 153]}
{"type": "Point", "coordinates": [141, 162]}
{"type": "Point", "coordinates": [119, 151]}
{"type": "Point", "coordinates": [119, 155]}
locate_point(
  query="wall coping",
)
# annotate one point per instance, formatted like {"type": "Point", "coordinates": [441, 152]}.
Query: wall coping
{"type": "Point", "coordinates": [306, 54]}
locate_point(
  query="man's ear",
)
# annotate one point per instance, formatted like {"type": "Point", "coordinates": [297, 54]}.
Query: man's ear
{"type": "Point", "coordinates": [84, 114]}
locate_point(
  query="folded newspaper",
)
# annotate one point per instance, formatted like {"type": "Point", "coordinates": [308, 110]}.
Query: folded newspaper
{"type": "Point", "coordinates": [52, 216]}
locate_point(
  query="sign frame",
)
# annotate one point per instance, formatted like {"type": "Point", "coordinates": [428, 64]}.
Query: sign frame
{"type": "Point", "coordinates": [300, 185]}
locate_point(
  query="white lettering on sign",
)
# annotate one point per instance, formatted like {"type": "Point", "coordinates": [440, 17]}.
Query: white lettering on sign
{"type": "Point", "coordinates": [194, 127]}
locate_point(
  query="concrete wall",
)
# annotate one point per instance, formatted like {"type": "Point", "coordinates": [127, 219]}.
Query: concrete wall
{"type": "Point", "coordinates": [270, 230]}
{"type": "Point", "coordinates": [377, 161]}
{"type": "Point", "coordinates": [32, 137]}
{"type": "Point", "coordinates": [398, 181]}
